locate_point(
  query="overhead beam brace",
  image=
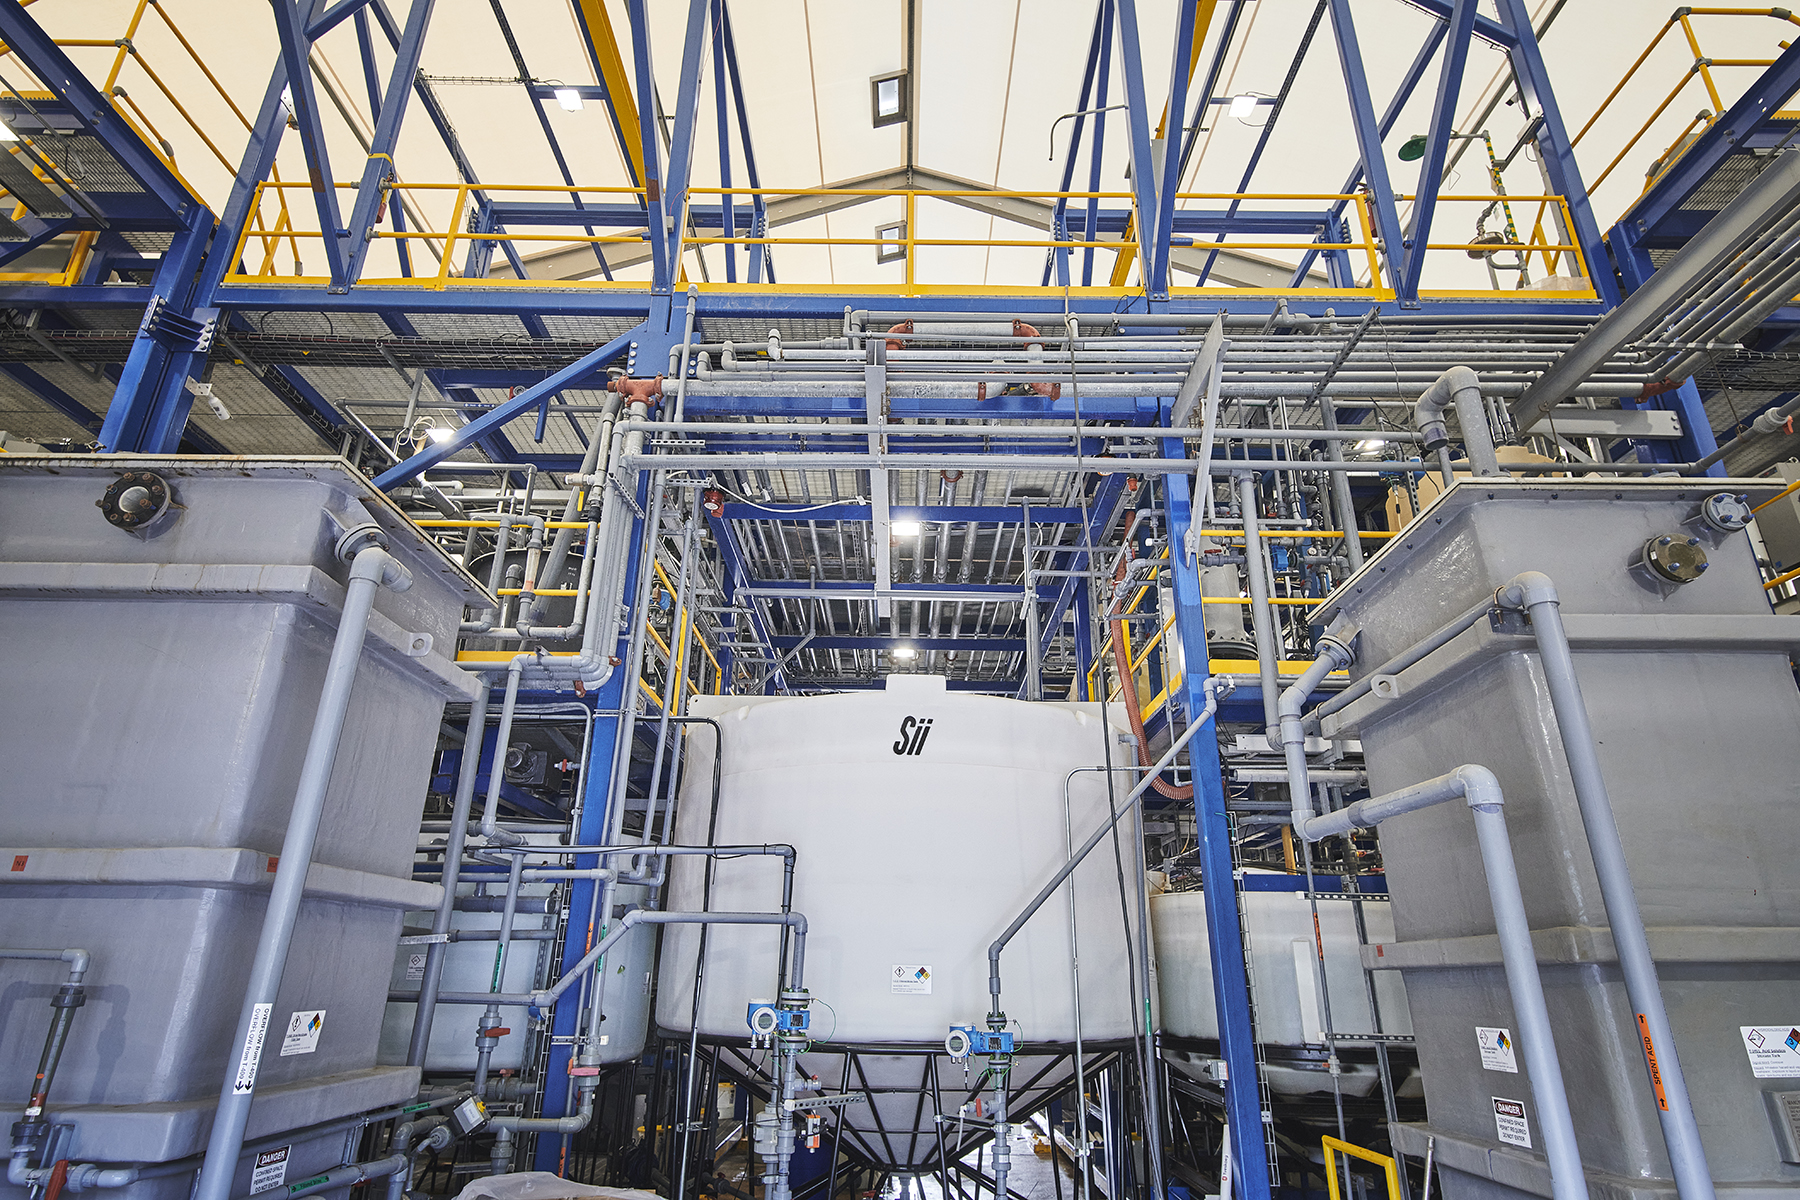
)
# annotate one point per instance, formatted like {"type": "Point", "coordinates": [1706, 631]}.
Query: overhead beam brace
{"type": "Point", "coordinates": [1554, 151]}
{"type": "Point", "coordinates": [290, 26]}
{"type": "Point", "coordinates": [378, 170]}
{"type": "Point", "coordinates": [497, 418]}
{"type": "Point", "coordinates": [1368, 134]}
{"type": "Point", "coordinates": [1168, 176]}
{"type": "Point", "coordinates": [661, 271]}
{"type": "Point", "coordinates": [1437, 146]}
{"type": "Point", "coordinates": [1137, 112]}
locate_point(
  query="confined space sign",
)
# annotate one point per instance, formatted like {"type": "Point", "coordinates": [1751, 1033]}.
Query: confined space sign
{"type": "Point", "coordinates": [1497, 1052]}
{"type": "Point", "coordinates": [1510, 1124]}
{"type": "Point", "coordinates": [303, 1032]}
{"type": "Point", "coordinates": [909, 979]}
{"type": "Point", "coordinates": [1774, 1050]}
{"type": "Point", "coordinates": [270, 1169]}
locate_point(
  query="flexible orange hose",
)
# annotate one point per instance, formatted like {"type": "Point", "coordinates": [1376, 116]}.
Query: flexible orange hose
{"type": "Point", "coordinates": [1128, 693]}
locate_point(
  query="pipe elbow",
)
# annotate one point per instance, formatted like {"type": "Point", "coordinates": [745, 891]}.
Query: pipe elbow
{"type": "Point", "coordinates": [1526, 589]}
{"type": "Point", "coordinates": [79, 961]}
{"type": "Point", "coordinates": [1479, 786]}
{"type": "Point", "coordinates": [378, 566]}
{"type": "Point", "coordinates": [1458, 380]}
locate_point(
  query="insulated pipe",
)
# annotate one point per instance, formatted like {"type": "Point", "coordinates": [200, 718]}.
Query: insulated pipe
{"type": "Point", "coordinates": [1215, 687]}
{"type": "Point", "coordinates": [1535, 594]}
{"type": "Point", "coordinates": [371, 568]}
{"type": "Point", "coordinates": [1478, 787]}
{"type": "Point", "coordinates": [1256, 567]}
{"type": "Point", "coordinates": [433, 975]}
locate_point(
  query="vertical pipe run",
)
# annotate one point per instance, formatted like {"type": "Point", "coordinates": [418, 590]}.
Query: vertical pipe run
{"type": "Point", "coordinates": [1256, 568]}
{"type": "Point", "coordinates": [1536, 594]}
{"type": "Point", "coordinates": [371, 568]}
{"type": "Point", "coordinates": [453, 852]}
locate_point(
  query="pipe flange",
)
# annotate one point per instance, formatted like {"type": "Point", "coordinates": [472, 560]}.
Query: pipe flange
{"type": "Point", "coordinates": [141, 503]}
{"type": "Point", "coordinates": [1675, 558]}
{"type": "Point", "coordinates": [359, 537]}
{"type": "Point", "coordinates": [1726, 512]}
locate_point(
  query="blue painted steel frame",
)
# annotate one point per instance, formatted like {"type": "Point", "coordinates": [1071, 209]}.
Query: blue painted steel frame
{"type": "Point", "coordinates": [1437, 147]}
{"type": "Point", "coordinates": [1368, 135]}
{"type": "Point", "coordinates": [1231, 985]}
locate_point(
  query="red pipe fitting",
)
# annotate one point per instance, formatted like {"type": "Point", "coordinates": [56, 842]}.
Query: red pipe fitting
{"type": "Point", "coordinates": [634, 390]}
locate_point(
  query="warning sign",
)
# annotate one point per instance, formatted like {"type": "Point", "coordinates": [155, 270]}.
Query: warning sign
{"type": "Point", "coordinates": [270, 1169]}
{"type": "Point", "coordinates": [1497, 1052]}
{"type": "Point", "coordinates": [303, 1032]}
{"type": "Point", "coordinates": [910, 980]}
{"type": "Point", "coordinates": [1774, 1050]}
{"type": "Point", "coordinates": [415, 968]}
{"type": "Point", "coordinates": [1509, 1121]}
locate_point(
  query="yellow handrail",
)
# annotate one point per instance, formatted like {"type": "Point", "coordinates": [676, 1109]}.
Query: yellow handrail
{"type": "Point", "coordinates": [1334, 1147]}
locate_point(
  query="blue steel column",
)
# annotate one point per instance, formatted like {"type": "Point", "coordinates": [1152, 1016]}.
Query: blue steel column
{"type": "Point", "coordinates": [1553, 144]}
{"type": "Point", "coordinates": [687, 109]}
{"type": "Point", "coordinates": [1368, 137]}
{"type": "Point", "coordinates": [1437, 147]}
{"type": "Point", "coordinates": [610, 701]}
{"type": "Point", "coordinates": [150, 404]}
{"type": "Point", "coordinates": [1231, 986]}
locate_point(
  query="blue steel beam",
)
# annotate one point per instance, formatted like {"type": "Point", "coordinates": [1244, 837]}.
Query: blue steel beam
{"type": "Point", "coordinates": [496, 418]}
{"type": "Point", "coordinates": [721, 121]}
{"type": "Point", "coordinates": [150, 403]}
{"type": "Point", "coordinates": [1231, 989]}
{"type": "Point", "coordinates": [290, 26]}
{"type": "Point", "coordinates": [940, 513]}
{"type": "Point", "coordinates": [378, 170]}
{"type": "Point", "coordinates": [1058, 260]}
{"type": "Point", "coordinates": [52, 395]}
{"type": "Point", "coordinates": [1437, 147]}
{"type": "Point", "coordinates": [1735, 130]}
{"type": "Point", "coordinates": [1155, 256]}
{"type": "Point", "coordinates": [330, 19]}
{"type": "Point", "coordinates": [90, 110]}
{"type": "Point", "coordinates": [1368, 134]}
{"type": "Point", "coordinates": [1097, 156]}
{"type": "Point", "coordinates": [1504, 36]}
{"type": "Point", "coordinates": [762, 262]}
{"type": "Point", "coordinates": [1103, 510]}
{"type": "Point", "coordinates": [1403, 93]}
{"type": "Point", "coordinates": [735, 574]}
{"type": "Point", "coordinates": [661, 270]}
{"type": "Point", "coordinates": [1143, 168]}
{"type": "Point", "coordinates": [687, 109]}
{"type": "Point", "coordinates": [1558, 159]}
{"type": "Point", "coordinates": [785, 642]}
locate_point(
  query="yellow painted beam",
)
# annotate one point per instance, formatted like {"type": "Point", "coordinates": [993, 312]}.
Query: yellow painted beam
{"type": "Point", "coordinates": [615, 77]}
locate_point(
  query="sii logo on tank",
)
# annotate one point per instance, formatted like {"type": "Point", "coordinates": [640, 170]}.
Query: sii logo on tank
{"type": "Point", "coordinates": [913, 732]}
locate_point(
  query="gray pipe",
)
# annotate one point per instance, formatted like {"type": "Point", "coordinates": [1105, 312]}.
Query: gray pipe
{"type": "Point", "coordinates": [1477, 786]}
{"type": "Point", "coordinates": [371, 567]}
{"type": "Point", "coordinates": [1535, 594]}
{"type": "Point", "coordinates": [1336, 651]}
{"type": "Point", "coordinates": [433, 976]}
{"type": "Point", "coordinates": [590, 461]}
{"type": "Point", "coordinates": [1458, 386]}
{"type": "Point", "coordinates": [1256, 568]}
{"type": "Point", "coordinates": [1215, 686]}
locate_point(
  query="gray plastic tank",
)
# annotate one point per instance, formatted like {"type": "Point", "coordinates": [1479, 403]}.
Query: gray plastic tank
{"type": "Point", "coordinates": [159, 689]}
{"type": "Point", "coordinates": [1697, 719]}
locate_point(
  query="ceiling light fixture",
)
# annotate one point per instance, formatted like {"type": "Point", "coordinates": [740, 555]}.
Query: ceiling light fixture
{"type": "Point", "coordinates": [1243, 106]}
{"type": "Point", "coordinates": [904, 652]}
{"type": "Point", "coordinates": [906, 528]}
{"type": "Point", "coordinates": [439, 433]}
{"type": "Point", "coordinates": [569, 98]}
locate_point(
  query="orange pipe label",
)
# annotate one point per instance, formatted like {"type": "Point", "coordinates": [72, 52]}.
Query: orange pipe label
{"type": "Point", "coordinates": [1662, 1099]}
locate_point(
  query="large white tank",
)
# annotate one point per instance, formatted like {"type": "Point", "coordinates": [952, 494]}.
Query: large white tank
{"type": "Point", "coordinates": [1289, 997]}
{"type": "Point", "coordinates": [924, 820]}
